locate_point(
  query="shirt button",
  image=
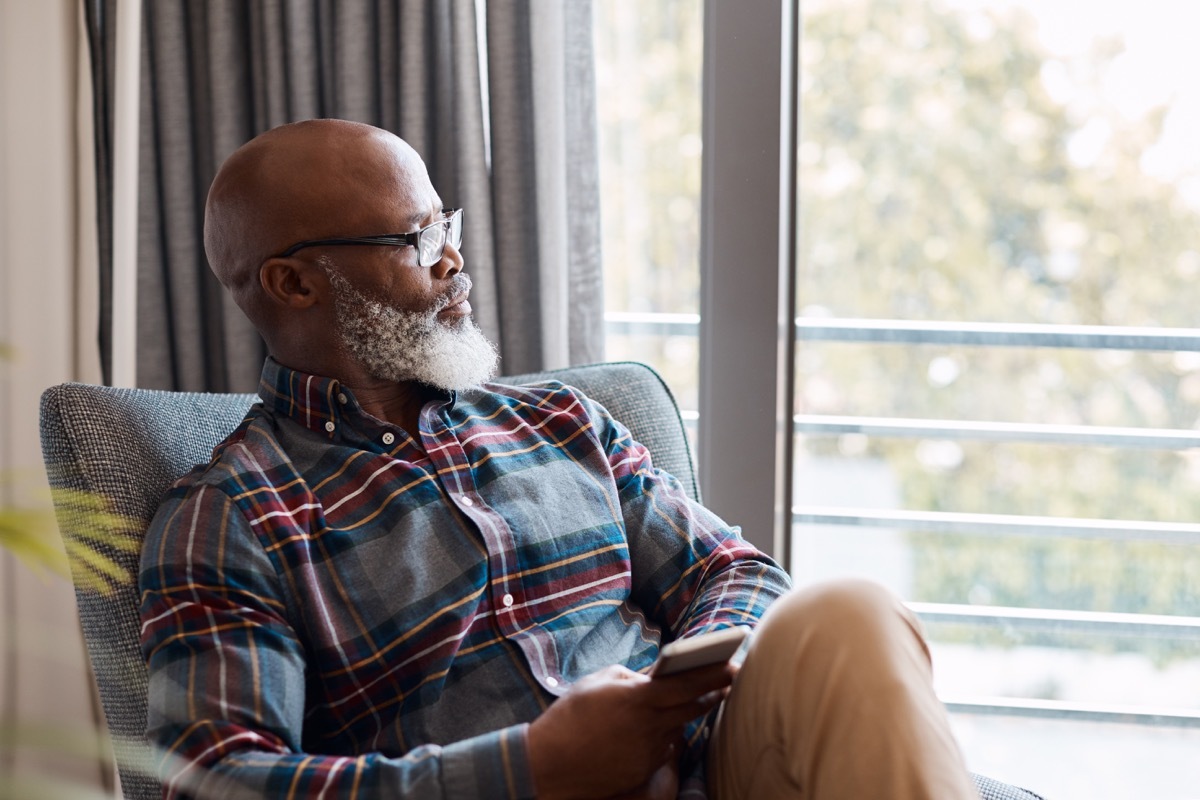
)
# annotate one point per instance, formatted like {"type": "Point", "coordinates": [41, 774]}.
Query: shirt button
{"type": "Point", "coordinates": [329, 426]}
{"type": "Point", "coordinates": [389, 437]}
{"type": "Point", "coordinates": [552, 681]}
{"type": "Point", "coordinates": [466, 501]}
{"type": "Point", "coordinates": [507, 600]}
{"type": "Point", "coordinates": [342, 398]}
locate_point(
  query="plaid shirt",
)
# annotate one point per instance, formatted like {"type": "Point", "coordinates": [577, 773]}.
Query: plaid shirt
{"type": "Point", "coordinates": [330, 611]}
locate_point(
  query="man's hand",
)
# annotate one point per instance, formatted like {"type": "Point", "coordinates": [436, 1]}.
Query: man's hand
{"type": "Point", "coordinates": [663, 784]}
{"type": "Point", "coordinates": [613, 730]}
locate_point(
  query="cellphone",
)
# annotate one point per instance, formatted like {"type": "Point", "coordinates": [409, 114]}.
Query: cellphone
{"type": "Point", "coordinates": [699, 651]}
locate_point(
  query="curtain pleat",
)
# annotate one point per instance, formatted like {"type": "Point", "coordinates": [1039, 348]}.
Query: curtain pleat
{"type": "Point", "coordinates": [546, 245]}
{"type": "Point", "coordinates": [100, 17]}
{"type": "Point", "coordinates": [584, 303]}
{"type": "Point", "coordinates": [514, 178]}
{"type": "Point", "coordinates": [215, 73]}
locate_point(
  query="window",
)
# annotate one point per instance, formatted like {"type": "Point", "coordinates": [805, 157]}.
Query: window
{"type": "Point", "coordinates": [997, 382]}
{"type": "Point", "coordinates": [648, 72]}
{"type": "Point", "coordinates": [997, 371]}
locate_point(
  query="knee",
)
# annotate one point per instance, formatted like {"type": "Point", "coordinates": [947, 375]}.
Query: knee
{"type": "Point", "coordinates": [849, 602]}
{"type": "Point", "coordinates": [847, 613]}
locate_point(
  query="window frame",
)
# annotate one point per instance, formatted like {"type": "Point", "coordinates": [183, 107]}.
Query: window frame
{"type": "Point", "coordinates": [748, 225]}
{"type": "Point", "coordinates": [749, 331]}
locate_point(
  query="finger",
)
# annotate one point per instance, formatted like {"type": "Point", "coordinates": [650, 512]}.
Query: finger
{"type": "Point", "coordinates": [677, 716]}
{"type": "Point", "coordinates": [686, 686]}
{"type": "Point", "coordinates": [610, 675]}
{"type": "Point", "coordinates": [621, 673]}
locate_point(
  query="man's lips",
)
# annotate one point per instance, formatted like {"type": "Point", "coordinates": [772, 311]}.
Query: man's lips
{"type": "Point", "coordinates": [458, 306]}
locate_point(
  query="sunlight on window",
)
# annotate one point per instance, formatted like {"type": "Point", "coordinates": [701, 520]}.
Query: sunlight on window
{"type": "Point", "coordinates": [648, 67]}
{"type": "Point", "coordinates": [1026, 165]}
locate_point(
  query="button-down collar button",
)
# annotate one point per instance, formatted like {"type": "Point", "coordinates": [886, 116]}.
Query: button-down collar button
{"type": "Point", "coordinates": [389, 437]}
{"type": "Point", "coordinates": [507, 600]}
{"type": "Point", "coordinates": [329, 426]}
{"type": "Point", "coordinates": [342, 398]}
{"type": "Point", "coordinates": [466, 501]}
{"type": "Point", "coordinates": [552, 681]}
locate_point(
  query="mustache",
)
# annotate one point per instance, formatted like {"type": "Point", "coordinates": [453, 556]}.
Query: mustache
{"type": "Point", "coordinates": [460, 284]}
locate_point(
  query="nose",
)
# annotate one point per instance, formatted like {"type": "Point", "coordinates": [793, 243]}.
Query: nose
{"type": "Point", "coordinates": [450, 263]}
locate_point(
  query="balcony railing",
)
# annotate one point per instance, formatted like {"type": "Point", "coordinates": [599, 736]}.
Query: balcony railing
{"type": "Point", "coordinates": [874, 331]}
{"type": "Point", "coordinates": [891, 331]}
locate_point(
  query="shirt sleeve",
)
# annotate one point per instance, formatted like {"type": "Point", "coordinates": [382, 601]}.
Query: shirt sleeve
{"type": "Point", "coordinates": [692, 573]}
{"type": "Point", "coordinates": [227, 689]}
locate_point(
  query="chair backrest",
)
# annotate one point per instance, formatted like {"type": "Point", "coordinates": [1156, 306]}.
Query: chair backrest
{"type": "Point", "coordinates": [127, 446]}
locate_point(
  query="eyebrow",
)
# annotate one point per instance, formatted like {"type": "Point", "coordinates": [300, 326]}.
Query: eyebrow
{"type": "Point", "coordinates": [417, 217]}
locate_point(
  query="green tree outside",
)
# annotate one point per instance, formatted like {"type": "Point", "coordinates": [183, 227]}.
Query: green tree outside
{"type": "Point", "coordinates": [937, 184]}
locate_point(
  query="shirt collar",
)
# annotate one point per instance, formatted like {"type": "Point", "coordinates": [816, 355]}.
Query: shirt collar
{"type": "Point", "coordinates": [310, 400]}
{"type": "Point", "coordinates": [321, 404]}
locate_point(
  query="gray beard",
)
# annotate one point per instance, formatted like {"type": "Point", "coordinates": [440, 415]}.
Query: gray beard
{"type": "Point", "coordinates": [397, 345]}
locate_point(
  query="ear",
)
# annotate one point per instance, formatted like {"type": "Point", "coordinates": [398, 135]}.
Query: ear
{"type": "Point", "coordinates": [292, 283]}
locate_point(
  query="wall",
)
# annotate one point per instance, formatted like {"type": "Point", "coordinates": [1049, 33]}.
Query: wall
{"type": "Point", "coordinates": [48, 320]}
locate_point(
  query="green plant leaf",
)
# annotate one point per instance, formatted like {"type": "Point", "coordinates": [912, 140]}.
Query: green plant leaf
{"type": "Point", "coordinates": [92, 565]}
{"type": "Point", "coordinates": [30, 536]}
{"type": "Point", "coordinates": [98, 535]}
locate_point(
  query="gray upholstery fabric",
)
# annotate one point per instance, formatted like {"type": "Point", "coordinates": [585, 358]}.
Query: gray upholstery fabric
{"type": "Point", "coordinates": [128, 445]}
{"type": "Point", "coordinates": [634, 394]}
{"type": "Point", "coordinates": [995, 790]}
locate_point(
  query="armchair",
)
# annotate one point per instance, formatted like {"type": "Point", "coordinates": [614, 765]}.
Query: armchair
{"type": "Point", "coordinates": [128, 445]}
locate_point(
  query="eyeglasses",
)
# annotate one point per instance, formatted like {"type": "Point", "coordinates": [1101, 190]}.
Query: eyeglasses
{"type": "Point", "coordinates": [430, 241]}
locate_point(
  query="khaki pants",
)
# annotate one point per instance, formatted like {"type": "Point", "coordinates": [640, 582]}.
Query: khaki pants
{"type": "Point", "coordinates": [835, 700]}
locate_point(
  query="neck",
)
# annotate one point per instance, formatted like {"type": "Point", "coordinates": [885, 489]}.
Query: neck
{"type": "Point", "coordinates": [397, 403]}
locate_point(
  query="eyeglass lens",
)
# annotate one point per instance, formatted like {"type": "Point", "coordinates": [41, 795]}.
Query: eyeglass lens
{"type": "Point", "coordinates": [432, 242]}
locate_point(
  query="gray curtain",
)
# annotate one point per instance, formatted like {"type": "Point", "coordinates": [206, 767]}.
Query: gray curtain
{"type": "Point", "coordinates": [99, 18]}
{"type": "Point", "coordinates": [217, 72]}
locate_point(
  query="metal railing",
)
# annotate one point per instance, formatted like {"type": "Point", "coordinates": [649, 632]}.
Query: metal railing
{"type": "Point", "coordinates": [876, 331]}
{"type": "Point", "coordinates": [1080, 435]}
{"type": "Point", "coordinates": [1076, 712]}
{"type": "Point", "coordinates": [1001, 524]}
{"type": "Point", "coordinates": [1046, 620]}
{"type": "Point", "coordinates": [892, 331]}
{"type": "Point", "coordinates": [996, 334]}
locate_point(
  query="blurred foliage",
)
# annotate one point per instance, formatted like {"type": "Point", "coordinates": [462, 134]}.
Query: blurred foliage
{"type": "Point", "coordinates": [30, 535]}
{"type": "Point", "coordinates": [100, 540]}
{"type": "Point", "coordinates": [98, 537]}
{"type": "Point", "coordinates": [937, 184]}
{"type": "Point", "coordinates": [648, 73]}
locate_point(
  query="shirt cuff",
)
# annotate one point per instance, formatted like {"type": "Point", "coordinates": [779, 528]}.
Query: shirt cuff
{"type": "Point", "coordinates": [494, 765]}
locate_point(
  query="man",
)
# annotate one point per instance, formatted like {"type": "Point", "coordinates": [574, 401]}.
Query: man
{"type": "Point", "coordinates": [395, 580]}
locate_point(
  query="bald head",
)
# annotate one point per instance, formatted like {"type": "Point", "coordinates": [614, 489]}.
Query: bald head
{"type": "Point", "coordinates": [307, 180]}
